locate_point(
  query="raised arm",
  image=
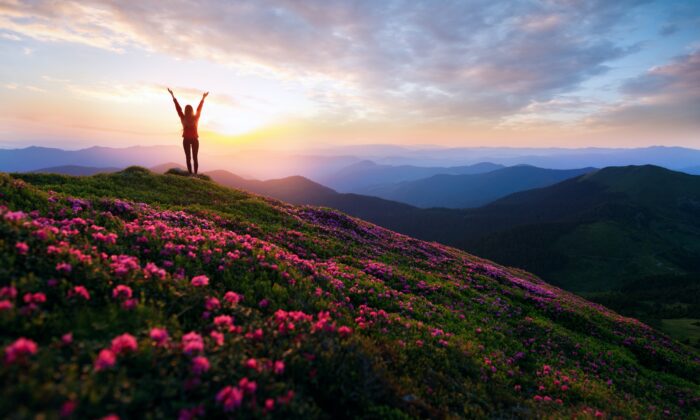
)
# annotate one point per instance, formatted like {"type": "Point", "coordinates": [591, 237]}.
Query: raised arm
{"type": "Point", "coordinates": [177, 104]}
{"type": "Point", "coordinates": [201, 104]}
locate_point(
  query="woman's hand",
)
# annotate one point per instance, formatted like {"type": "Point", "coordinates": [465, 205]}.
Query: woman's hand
{"type": "Point", "coordinates": [205, 95]}
{"type": "Point", "coordinates": [171, 92]}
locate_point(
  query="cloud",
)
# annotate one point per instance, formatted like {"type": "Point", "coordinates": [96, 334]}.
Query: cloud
{"type": "Point", "coordinates": [667, 95]}
{"type": "Point", "coordinates": [448, 60]}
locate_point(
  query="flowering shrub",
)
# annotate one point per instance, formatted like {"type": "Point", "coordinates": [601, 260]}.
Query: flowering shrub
{"type": "Point", "coordinates": [206, 302]}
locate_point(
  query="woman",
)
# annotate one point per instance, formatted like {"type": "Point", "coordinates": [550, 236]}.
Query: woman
{"type": "Point", "coordinates": [190, 137]}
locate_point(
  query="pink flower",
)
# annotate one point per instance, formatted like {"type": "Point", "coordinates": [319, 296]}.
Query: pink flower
{"type": "Point", "coordinates": [252, 364]}
{"type": "Point", "coordinates": [67, 338]}
{"type": "Point", "coordinates": [122, 292]}
{"type": "Point", "coordinates": [192, 343]}
{"type": "Point", "coordinates": [200, 364]}
{"type": "Point", "coordinates": [224, 322]}
{"type": "Point", "coordinates": [22, 248]}
{"type": "Point", "coordinates": [124, 343]}
{"type": "Point", "coordinates": [19, 349]}
{"type": "Point", "coordinates": [269, 404]}
{"type": "Point", "coordinates": [211, 303]}
{"type": "Point", "coordinates": [64, 266]}
{"type": "Point", "coordinates": [217, 337]}
{"type": "Point", "coordinates": [159, 336]}
{"type": "Point", "coordinates": [247, 386]}
{"type": "Point", "coordinates": [105, 360]}
{"type": "Point", "coordinates": [232, 298]}
{"type": "Point", "coordinates": [344, 331]}
{"type": "Point", "coordinates": [68, 408]}
{"type": "Point", "coordinates": [278, 367]}
{"type": "Point", "coordinates": [34, 298]}
{"type": "Point", "coordinates": [230, 397]}
{"type": "Point", "coordinates": [79, 291]}
{"type": "Point", "coordinates": [5, 305]}
{"type": "Point", "coordinates": [199, 281]}
{"type": "Point", "coordinates": [8, 292]}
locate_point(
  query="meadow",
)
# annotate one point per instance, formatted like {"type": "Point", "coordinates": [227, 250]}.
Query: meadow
{"type": "Point", "coordinates": [142, 295]}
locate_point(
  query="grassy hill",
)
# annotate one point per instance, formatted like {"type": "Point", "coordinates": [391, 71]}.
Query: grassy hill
{"type": "Point", "coordinates": [146, 295]}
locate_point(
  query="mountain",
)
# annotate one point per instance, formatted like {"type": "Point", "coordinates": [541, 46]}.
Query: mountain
{"type": "Point", "coordinates": [76, 170]}
{"type": "Point", "coordinates": [597, 231]}
{"type": "Point", "coordinates": [36, 158]}
{"type": "Point", "coordinates": [362, 176]}
{"type": "Point", "coordinates": [692, 170]}
{"type": "Point", "coordinates": [551, 157]}
{"type": "Point", "coordinates": [169, 296]}
{"type": "Point", "coordinates": [472, 190]}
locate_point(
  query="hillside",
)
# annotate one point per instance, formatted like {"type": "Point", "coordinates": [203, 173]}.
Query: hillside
{"type": "Point", "coordinates": [600, 230]}
{"type": "Point", "coordinates": [472, 190]}
{"type": "Point", "coordinates": [149, 295]}
{"type": "Point", "coordinates": [586, 235]}
{"type": "Point", "coordinates": [360, 177]}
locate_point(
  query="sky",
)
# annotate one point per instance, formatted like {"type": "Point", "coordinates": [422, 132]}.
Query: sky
{"type": "Point", "coordinates": [292, 74]}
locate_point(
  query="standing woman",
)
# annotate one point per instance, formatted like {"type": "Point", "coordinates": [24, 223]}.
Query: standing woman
{"type": "Point", "coordinates": [190, 137]}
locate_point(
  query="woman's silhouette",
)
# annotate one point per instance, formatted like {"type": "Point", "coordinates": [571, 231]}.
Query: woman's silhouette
{"type": "Point", "coordinates": [190, 137]}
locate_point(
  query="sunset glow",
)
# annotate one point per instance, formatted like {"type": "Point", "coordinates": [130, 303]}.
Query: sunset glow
{"type": "Point", "coordinates": [295, 74]}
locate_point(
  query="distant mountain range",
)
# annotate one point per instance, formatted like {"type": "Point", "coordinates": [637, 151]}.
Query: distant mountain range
{"type": "Point", "coordinates": [365, 175]}
{"type": "Point", "coordinates": [472, 190]}
{"type": "Point", "coordinates": [323, 165]}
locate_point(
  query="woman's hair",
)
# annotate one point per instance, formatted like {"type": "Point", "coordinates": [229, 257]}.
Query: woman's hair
{"type": "Point", "coordinates": [188, 110]}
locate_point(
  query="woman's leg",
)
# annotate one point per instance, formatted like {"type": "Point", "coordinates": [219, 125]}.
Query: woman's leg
{"type": "Point", "coordinates": [186, 146]}
{"type": "Point", "coordinates": [195, 151]}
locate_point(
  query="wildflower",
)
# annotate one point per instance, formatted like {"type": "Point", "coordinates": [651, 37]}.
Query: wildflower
{"type": "Point", "coordinates": [217, 337]}
{"type": "Point", "coordinates": [247, 386]}
{"type": "Point", "coordinates": [192, 343]}
{"type": "Point", "coordinates": [34, 298]}
{"type": "Point", "coordinates": [22, 248]}
{"type": "Point", "coordinates": [19, 349]}
{"type": "Point", "coordinates": [67, 338]}
{"type": "Point", "coordinates": [159, 336]}
{"type": "Point", "coordinates": [64, 266]}
{"type": "Point", "coordinates": [199, 281]}
{"type": "Point", "coordinates": [269, 404]}
{"type": "Point", "coordinates": [105, 360]}
{"type": "Point", "coordinates": [5, 305]}
{"type": "Point", "coordinates": [230, 397]}
{"type": "Point", "coordinates": [122, 292]}
{"type": "Point", "coordinates": [8, 292]}
{"type": "Point", "coordinates": [224, 322]}
{"type": "Point", "coordinates": [278, 367]}
{"type": "Point", "coordinates": [79, 291]}
{"type": "Point", "coordinates": [232, 298]}
{"type": "Point", "coordinates": [252, 364]}
{"type": "Point", "coordinates": [344, 331]}
{"type": "Point", "coordinates": [211, 303]}
{"type": "Point", "coordinates": [124, 343]}
{"type": "Point", "coordinates": [200, 364]}
{"type": "Point", "coordinates": [68, 408]}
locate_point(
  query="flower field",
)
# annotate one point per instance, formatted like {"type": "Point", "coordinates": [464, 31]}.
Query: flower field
{"type": "Point", "coordinates": [137, 295]}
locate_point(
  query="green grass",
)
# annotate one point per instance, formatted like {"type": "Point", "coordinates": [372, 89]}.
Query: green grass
{"type": "Point", "coordinates": [682, 328]}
